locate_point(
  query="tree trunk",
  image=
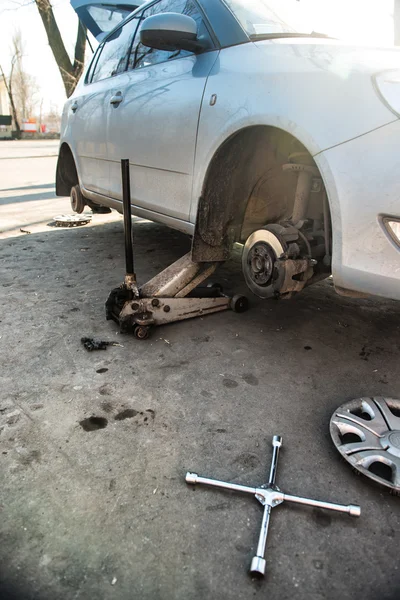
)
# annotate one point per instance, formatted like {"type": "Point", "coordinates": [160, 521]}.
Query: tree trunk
{"type": "Point", "coordinates": [11, 98]}
{"type": "Point", "coordinates": [70, 72]}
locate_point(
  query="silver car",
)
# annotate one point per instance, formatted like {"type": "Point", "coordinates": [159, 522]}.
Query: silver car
{"type": "Point", "coordinates": [238, 127]}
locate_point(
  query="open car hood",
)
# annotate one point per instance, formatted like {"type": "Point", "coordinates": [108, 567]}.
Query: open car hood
{"type": "Point", "coordinates": [101, 17]}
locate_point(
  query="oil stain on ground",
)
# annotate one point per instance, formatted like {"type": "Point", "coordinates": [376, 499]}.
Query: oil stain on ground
{"type": "Point", "coordinates": [250, 378]}
{"type": "Point", "coordinates": [93, 423]}
{"type": "Point", "coordinates": [230, 383]}
{"type": "Point", "coordinates": [128, 413]}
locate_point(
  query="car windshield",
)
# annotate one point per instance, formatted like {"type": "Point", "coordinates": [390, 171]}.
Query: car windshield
{"type": "Point", "coordinates": [361, 21]}
{"type": "Point", "coordinates": [262, 16]}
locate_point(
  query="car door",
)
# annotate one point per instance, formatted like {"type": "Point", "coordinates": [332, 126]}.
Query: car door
{"type": "Point", "coordinates": [155, 123]}
{"type": "Point", "coordinates": [90, 107]}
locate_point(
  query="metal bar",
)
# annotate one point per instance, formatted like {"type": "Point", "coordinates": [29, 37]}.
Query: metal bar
{"type": "Point", "coordinates": [197, 281]}
{"type": "Point", "coordinates": [126, 200]}
{"type": "Point", "coordinates": [352, 509]}
{"type": "Point", "coordinates": [194, 478]}
{"type": "Point", "coordinates": [258, 563]}
{"type": "Point", "coordinates": [276, 444]}
{"type": "Point", "coordinates": [172, 279]}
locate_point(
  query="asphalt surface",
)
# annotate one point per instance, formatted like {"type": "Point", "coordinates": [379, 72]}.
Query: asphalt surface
{"type": "Point", "coordinates": [105, 513]}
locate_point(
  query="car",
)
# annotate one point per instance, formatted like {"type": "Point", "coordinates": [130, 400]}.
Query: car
{"type": "Point", "coordinates": [241, 129]}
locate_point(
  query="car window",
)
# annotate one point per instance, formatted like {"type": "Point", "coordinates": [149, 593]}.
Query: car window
{"type": "Point", "coordinates": [89, 74]}
{"type": "Point", "coordinates": [115, 51]}
{"type": "Point", "coordinates": [142, 56]}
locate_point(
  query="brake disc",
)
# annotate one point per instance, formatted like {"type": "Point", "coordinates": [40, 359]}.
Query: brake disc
{"type": "Point", "coordinates": [260, 252]}
{"type": "Point", "coordinates": [366, 431]}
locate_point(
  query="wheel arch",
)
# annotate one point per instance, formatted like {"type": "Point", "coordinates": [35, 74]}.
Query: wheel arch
{"type": "Point", "coordinates": [66, 172]}
{"type": "Point", "coordinates": [245, 187]}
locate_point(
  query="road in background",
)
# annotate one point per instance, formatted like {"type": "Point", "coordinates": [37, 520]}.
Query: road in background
{"type": "Point", "coordinates": [27, 187]}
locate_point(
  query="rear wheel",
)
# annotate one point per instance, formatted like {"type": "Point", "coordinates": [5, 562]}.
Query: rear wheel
{"type": "Point", "coordinates": [77, 200]}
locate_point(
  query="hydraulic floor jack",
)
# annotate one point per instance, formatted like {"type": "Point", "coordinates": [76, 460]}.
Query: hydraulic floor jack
{"type": "Point", "coordinates": [173, 295]}
{"type": "Point", "coordinates": [269, 495]}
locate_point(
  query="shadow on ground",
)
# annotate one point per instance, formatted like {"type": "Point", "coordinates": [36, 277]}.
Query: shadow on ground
{"type": "Point", "coordinates": [83, 507]}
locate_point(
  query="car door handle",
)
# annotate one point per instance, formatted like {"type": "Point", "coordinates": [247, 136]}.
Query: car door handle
{"type": "Point", "coordinates": [74, 106]}
{"type": "Point", "coordinates": [117, 99]}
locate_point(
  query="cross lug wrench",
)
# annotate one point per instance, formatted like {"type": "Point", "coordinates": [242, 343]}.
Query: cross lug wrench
{"type": "Point", "coordinates": [270, 496]}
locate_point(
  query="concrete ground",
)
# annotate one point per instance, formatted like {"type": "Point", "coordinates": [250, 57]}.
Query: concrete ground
{"type": "Point", "coordinates": [106, 513]}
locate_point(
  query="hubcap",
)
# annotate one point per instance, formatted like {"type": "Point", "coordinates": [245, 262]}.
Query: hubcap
{"type": "Point", "coordinates": [366, 432]}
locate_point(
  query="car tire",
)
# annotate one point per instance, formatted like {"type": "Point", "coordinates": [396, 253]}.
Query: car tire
{"type": "Point", "coordinates": [77, 200]}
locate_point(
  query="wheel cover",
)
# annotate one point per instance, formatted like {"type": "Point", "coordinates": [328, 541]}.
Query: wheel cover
{"type": "Point", "coordinates": [366, 432]}
{"type": "Point", "coordinates": [260, 252]}
{"type": "Point", "coordinates": [71, 220]}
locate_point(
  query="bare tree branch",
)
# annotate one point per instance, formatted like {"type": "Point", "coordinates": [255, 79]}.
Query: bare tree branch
{"type": "Point", "coordinates": [80, 47]}
{"type": "Point", "coordinates": [24, 86]}
{"type": "Point", "coordinates": [8, 85]}
{"type": "Point", "coordinates": [70, 73]}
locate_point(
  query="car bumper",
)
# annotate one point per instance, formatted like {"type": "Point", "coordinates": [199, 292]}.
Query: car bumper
{"type": "Point", "coordinates": [362, 179]}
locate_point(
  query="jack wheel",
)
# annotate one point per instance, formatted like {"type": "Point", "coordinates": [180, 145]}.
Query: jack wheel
{"type": "Point", "coordinates": [77, 200]}
{"type": "Point", "coordinates": [239, 304]}
{"type": "Point", "coordinates": [141, 332]}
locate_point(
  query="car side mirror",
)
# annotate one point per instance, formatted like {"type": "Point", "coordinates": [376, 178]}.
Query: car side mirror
{"type": "Point", "coordinates": [171, 31]}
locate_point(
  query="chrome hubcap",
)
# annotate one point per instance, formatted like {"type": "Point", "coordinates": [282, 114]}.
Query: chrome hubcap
{"type": "Point", "coordinates": [366, 432]}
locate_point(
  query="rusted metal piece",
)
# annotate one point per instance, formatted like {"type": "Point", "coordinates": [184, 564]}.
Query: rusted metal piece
{"type": "Point", "coordinates": [303, 189]}
{"type": "Point", "coordinates": [285, 285]}
{"type": "Point", "coordinates": [277, 261]}
{"type": "Point", "coordinates": [131, 284]}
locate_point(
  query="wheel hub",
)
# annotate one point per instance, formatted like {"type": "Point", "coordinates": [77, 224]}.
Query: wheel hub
{"type": "Point", "coordinates": [261, 262]}
{"type": "Point", "coordinates": [261, 251]}
{"type": "Point", "coordinates": [366, 432]}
